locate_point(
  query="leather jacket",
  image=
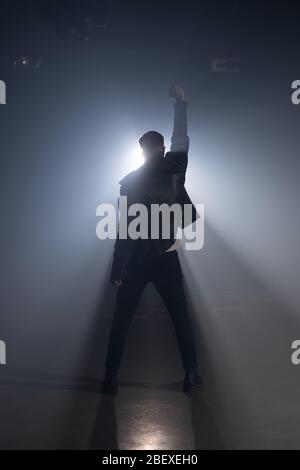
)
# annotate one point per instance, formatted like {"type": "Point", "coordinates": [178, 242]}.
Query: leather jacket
{"type": "Point", "coordinates": [158, 181]}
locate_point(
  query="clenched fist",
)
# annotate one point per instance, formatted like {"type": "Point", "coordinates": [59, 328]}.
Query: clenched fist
{"type": "Point", "coordinates": [176, 92]}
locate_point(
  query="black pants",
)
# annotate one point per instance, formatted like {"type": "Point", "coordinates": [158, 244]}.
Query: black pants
{"type": "Point", "coordinates": [165, 273]}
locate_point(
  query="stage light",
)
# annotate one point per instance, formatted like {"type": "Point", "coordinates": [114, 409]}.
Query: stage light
{"type": "Point", "coordinates": [131, 160]}
{"type": "Point", "coordinates": [135, 159]}
{"type": "Point", "coordinates": [138, 157]}
{"type": "Point", "coordinates": [24, 63]}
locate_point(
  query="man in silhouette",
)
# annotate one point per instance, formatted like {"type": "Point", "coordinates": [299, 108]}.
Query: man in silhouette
{"type": "Point", "coordinates": [136, 262]}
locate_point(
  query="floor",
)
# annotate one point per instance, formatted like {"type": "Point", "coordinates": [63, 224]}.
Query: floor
{"type": "Point", "coordinates": [250, 399]}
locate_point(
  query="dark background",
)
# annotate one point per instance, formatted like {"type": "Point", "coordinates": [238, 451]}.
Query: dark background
{"type": "Point", "coordinates": [79, 95]}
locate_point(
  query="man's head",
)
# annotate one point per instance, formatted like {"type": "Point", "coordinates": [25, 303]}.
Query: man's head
{"type": "Point", "coordinates": [152, 144]}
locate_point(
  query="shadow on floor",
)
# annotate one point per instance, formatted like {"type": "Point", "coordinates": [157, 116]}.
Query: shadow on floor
{"type": "Point", "coordinates": [104, 430]}
{"type": "Point", "coordinates": [206, 432]}
{"type": "Point", "coordinates": [104, 433]}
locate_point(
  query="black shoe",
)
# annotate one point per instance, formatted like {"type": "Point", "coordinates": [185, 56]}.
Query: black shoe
{"type": "Point", "coordinates": [191, 381]}
{"type": "Point", "coordinates": [110, 382]}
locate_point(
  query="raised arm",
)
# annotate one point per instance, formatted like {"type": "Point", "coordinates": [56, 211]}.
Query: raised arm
{"type": "Point", "coordinates": [180, 139]}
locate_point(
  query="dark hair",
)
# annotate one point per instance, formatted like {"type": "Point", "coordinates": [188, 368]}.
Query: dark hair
{"type": "Point", "coordinates": [151, 139]}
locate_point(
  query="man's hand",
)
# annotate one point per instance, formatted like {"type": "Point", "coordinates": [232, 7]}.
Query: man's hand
{"type": "Point", "coordinates": [176, 92]}
{"type": "Point", "coordinates": [117, 283]}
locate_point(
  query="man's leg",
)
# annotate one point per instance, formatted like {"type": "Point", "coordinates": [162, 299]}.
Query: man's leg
{"type": "Point", "coordinates": [167, 278]}
{"type": "Point", "coordinates": [128, 296]}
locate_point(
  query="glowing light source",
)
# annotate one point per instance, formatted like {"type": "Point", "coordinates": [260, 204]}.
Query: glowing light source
{"type": "Point", "coordinates": [131, 160]}
{"type": "Point", "coordinates": [137, 157]}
